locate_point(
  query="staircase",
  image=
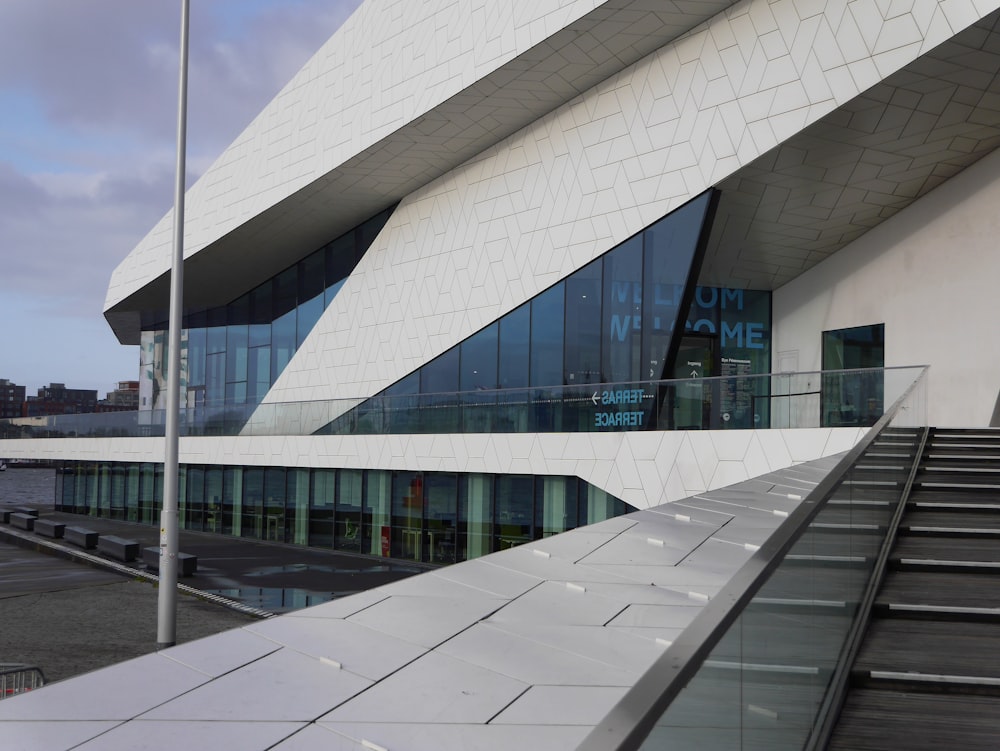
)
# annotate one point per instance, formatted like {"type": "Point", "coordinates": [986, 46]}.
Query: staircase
{"type": "Point", "coordinates": [928, 672]}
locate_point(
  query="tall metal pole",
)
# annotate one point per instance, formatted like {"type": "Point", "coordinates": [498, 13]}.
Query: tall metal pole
{"type": "Point", "coordinates": [166, 623]}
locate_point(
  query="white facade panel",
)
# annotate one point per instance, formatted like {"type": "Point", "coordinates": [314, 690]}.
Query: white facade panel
{"type": "Point", "coordinates": [498, 230]}
{"type": "Point", "coordinates": [929, 274]}
{"type": "Point", "coordinates": [644, 469]}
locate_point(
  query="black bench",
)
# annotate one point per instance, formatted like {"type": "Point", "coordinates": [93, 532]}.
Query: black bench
{"type": "Point", "coordinates": [49, 528]}
{"type": "Point", "coordinates": [22, 521]}
{"type": "Point", "coordinates": [187, 564]}
{"type": "Point", "coordinates": [5, 515]}
{"type": "Point", "coordinates": [85, 538]}
{"type": "Point", "coordinates": [118, 547]}
{"type": "Point", "coordinates": [29, 510]}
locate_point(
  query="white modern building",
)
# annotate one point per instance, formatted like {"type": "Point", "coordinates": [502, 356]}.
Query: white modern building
{"type": "Point", "coordinates": [486, 271]}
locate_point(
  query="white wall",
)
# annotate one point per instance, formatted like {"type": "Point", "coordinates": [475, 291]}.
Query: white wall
{"type": "Point", "coordinates": [643, 468]}
{"type": "Point", "coordinates": [930, 274]}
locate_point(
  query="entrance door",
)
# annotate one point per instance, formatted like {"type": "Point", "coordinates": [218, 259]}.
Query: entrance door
{"type": "Point", "coordinates": [692, 401]}
{"type": "Point", "coordinates": [853, 398]}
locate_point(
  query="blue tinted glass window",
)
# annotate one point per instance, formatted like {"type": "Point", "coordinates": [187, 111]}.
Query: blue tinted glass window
{"type": "Point", "coordinates": [479, 360]}
{"type": "Point", "coordinates": [216, 339]}
{"type": "Point", "coordinates": [583, 325]}
{"type": "Point", "coordinates": [547, 337]}
{"type": "Point", "coordinates": [669, 247]}
{"type": "Point", "coordinates": [261, 306]}
{"type": "Point", "coordinates": [236, 353]}
{"type": "Point", "coordinates": [515, 337]}
{"type": "Point", "coordinates": [258, 373]}
{"type": "Point", "coordinates": [623, 312]}
{"type": "Point", "coordinates": [196, 357]}
{"type": "Point", "coordinates": [441, 374]}
{"type": "Point", "coordinates": [478, 379]}
{"type": "Point", "coordinates": [215, 379]}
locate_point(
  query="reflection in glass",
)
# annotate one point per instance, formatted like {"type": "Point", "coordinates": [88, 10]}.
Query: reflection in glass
{"type": "Point", "coordinates": [514, 501]}
{"type": "Point", "coordinates": [622, 311]}
{"type": "Point", "coordinates": [321, 505]}
{"type": "Point", "coordinates": [349, 501]}
{"type": "Point", "coordinates": [407, 514]}
{"type": "Point", "coordinates": [432, 517]}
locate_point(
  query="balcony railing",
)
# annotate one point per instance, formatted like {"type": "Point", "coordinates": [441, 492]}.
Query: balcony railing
{"type": "Point", "coordinates": [774, 400]}
{"type": "Point", "coordinates": [761, 664]}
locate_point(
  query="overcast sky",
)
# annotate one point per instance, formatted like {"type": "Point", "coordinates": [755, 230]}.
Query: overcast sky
{"type": "Point", "coordinates": [88, 113]}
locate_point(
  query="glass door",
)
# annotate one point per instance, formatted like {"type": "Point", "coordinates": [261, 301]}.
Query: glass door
{"type": "Point", "coordinates": [692, 397]}
{"type": "Point", "coordinates": [852, 398]}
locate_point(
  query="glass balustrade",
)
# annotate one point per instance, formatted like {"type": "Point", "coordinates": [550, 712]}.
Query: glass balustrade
{"type": "Point", "coordinates": [778, 400]}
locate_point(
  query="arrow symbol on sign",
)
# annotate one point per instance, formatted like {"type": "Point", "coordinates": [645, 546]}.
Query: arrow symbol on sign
{"type": "Point", "coordinates": [694, 373]}
{"type": "Point", "coordinates": [594, 398]}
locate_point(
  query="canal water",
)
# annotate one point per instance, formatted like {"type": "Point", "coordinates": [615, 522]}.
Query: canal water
{"type": "Point", "coordinates": [20, 486]}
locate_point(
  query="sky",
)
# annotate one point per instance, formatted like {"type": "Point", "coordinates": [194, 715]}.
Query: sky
{"type": "Point", "coordinates": [88, 128]}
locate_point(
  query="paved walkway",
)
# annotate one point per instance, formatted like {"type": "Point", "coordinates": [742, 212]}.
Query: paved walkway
{"type": "Point", "coordinates": [65, 613]}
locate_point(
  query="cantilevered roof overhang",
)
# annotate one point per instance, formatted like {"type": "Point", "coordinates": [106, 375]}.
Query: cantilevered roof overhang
{"type": "Point", "coordinates": [780, 214]}
{"type": "Point", "coordinates": [468, 82]}
{"type": "Point", "coordinates": [809, 197]}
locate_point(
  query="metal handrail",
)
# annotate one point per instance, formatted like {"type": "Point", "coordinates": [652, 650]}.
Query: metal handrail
{"type": "Point", "coordinates": [634, 716]}
{"type": "Point", "coordinates": [18, 678]}
{"type": "Point", "coordinates": [837, 691]}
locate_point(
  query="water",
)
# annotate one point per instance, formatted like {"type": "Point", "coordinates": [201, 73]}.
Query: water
{"type": "Point", "coordinates": [21, 486]}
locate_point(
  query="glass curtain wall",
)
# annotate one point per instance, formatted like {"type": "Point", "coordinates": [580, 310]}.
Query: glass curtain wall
{"type": "Point", "coordinates": [609, 323]}
{"type": "Point", "coordinates": [428, 517]}
{"type": "Point", "coordinates": [233, 354]}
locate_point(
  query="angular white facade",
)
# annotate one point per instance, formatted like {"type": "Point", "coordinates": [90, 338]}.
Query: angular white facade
{"type": "Point", "coordinates": [570, 192]}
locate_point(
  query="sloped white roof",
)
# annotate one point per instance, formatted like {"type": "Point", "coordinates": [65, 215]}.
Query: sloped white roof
{"type": "Point", "coordinates": [529, 647]}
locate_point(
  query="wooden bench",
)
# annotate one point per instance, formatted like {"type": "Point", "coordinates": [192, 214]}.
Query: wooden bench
{"type": "Point", "coordinates": [81, 536]}
{"type": "Point", "coordinates": [187, 564]}
{"type": "Point", "coordinates": [22, 521]}
{"type": "Point", "coordinates": [49, 528]}
{"type": "Point", "coordinates": [118, 547]}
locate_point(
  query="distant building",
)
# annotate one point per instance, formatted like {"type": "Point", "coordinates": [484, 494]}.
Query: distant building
{"type": "Point", "coordinates": [11, 398]}
{"type": "Point", "coordinates": [56, 399]}
{"type": "Point", "coordinates": [123, 398]}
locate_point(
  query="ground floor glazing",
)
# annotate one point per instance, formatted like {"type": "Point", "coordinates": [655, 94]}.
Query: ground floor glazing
{"type": "Point", "coordinates": [432, 517]}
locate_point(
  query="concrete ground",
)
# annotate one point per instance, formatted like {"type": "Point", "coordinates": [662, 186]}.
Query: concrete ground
{"type": "Point", "coordinates": [69, 616]}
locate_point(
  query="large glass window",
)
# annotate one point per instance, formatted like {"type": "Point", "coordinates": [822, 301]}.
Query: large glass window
{"type": "Point", "coordinates": [407, 514]}
{"type": "Point", "coordinates": [377, 513]}
{"type": "Point", "coordinates": [349, 502]}
{"type": "Point", "coordinates": [431, 517]}
{"type": "Point", "coordinates": [623, 312]}
{"type": "Point", "coordinates": [274, 504]}
{"type": "Point", "coordinates": [513, 504]}
{"type": "Point", "coordinates": [321, 507]}
{"type": "Point", "coordinates": [547, 310]}
{"type": "Point", "coordinates": [442, 517]}
{"type": "Point", "coordinates": [234, 353]}
{"type": "Point", "coordinates": [478, 379]}
{"type": "Point", "coordinates": [475, 516]}
{"type": "Point", "coordinates": [610, 322]}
